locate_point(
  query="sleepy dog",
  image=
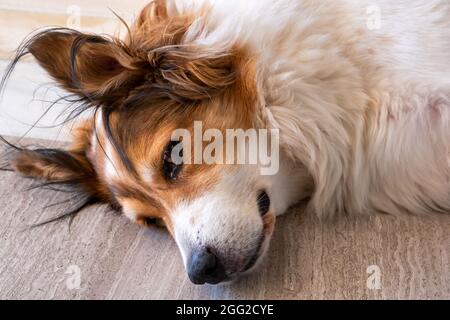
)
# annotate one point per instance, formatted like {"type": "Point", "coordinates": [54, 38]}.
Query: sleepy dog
{"type": "Point", "coordinates": [359, 95]}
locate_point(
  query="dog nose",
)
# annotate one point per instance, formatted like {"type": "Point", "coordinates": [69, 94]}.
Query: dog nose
{"type": "Point", "coordinates": [205, 267]}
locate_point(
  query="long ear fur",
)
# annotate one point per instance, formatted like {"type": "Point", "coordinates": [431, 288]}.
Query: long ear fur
{"type": "Point", "coordinates": [59, 170]}
{"type": "Point", "coordinates": [70, 168]}
{"type": "Point", "coordinates": [154, 62]}
{"type": "Point", "coordinates": [97, 69]}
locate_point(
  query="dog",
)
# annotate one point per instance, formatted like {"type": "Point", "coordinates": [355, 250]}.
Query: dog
{"type": "Point", "coordinates": [359, 92]}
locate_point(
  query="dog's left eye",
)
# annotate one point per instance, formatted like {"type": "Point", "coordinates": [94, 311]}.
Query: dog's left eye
{"type": "Point", "coordinates": [171, 166]}
{"type": "Point", "coordinates": [263, 201]}
{"type": "Point", "coordinates": [153, 222]}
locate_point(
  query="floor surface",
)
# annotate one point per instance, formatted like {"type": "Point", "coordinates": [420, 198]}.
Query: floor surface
{"type": "Point", "coordinates": [105, 256]}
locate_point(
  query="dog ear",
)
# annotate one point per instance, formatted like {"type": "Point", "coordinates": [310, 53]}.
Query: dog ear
{"type": "Point", "coordinates": [106, 72]}
{"type": "Point", "coordinates": [158, 60]}
{"type": "Point", "coordinates": [188, 75]}
{"type": "Point", "coordinates": [181, 70]}
{"type": "Point", "coordinates": [70, 168]}
{"type": "Point", "coordinates": [154, 12]}
{"type": "Point", "coordinates": [54, 165]}
{"type": "Point", "coordinates": [93, 67]}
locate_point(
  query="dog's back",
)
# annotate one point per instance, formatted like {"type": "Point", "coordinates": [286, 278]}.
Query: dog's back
{"type": "Point", "coordinates": [361, 94]}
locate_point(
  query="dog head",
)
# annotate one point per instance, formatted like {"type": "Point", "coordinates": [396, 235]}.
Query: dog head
{"type": "Point", "coordinates": [141, 90]}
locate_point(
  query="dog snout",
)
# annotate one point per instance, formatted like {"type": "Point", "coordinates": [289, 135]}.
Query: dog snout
{"type": "Point", "coordinates": [205, 267]}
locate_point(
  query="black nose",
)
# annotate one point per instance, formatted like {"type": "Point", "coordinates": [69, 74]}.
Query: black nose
{"type": "Point", "coordinates": [204, 267]}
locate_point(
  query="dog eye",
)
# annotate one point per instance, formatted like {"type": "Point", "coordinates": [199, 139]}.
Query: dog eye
{"type": "Point", "coordinates": [150, 222]}
{"type": "Point", "coordinates": [154, 222]}
{"type": "Point", "coordinates": [263, 203]}
{"type": "Point", "coordinates": [171, 167]}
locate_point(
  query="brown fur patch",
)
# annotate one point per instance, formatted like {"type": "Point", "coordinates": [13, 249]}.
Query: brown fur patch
{"type": "Point", "coordinates": [147, 86]}
{"type": "Point", "coordinates": [70, 167]}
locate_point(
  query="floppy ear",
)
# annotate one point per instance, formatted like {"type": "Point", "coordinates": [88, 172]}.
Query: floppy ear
{"type": "Point", "coordinates": [106, 72]}
{"type": "Point", "coordinates": [154, 12]}
{"type": "Point", "coordinates": [52, 165]}
{"type": "Point", "coordinates": [159, 59]}
{"type": "Point", "coordinates": [61, 167]}
{"type": "Point", "coordinates": [90, 66]}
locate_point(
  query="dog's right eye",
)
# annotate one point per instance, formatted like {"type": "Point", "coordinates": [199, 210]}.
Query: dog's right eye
{"type": "Point", "coordinates": [153, 222]}
{"type": "Point", "coordinates": [171, 167]}
{"type": "Point", "coordinates": [263, 201]}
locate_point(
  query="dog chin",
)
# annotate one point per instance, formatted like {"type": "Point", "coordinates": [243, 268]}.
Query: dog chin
{"type": "Point", "coordinates": [254, 264]}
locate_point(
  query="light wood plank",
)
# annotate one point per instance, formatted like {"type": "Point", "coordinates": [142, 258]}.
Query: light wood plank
{"type": "Point", "coordinates": [308, 259]}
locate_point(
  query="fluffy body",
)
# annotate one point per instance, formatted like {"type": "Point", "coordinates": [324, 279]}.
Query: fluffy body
{"type": "Point", "coordinates": [363, 113]}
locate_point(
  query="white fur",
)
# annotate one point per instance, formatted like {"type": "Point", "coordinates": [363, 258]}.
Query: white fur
{"type": "Point", "coordinates": [148, 175]}
{"type": "Point", "coordinates": [129, 212]}
{"type": "Point", "coordinates": [365, 112]}
{"type": "Point", "coordinates": [111, 172]}
{"type": "Point", "coordinates": [364, 115]}
{"type": "Point", "coordinates": [223, 219]}
{"type": "Point", "coordinates": [109, 156]}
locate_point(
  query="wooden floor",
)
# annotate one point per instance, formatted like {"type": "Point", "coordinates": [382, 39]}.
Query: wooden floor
{"type": "Point", "coordinates": [307, 260]}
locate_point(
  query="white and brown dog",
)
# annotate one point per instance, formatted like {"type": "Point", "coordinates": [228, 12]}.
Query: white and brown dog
{"type": "Point", "coordinates": [360, 95]}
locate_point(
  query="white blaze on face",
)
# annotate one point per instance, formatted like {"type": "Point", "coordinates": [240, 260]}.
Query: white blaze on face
{"type": "Point", "coordinates": [129, 212]}
{"type": "Point", "coordinates": [147, 175]}
{"type": "Point", "coordinates": [225, 219]}
{"type": "Point", "coordinates": [107, 151]}
{"type": "Point", "coordinates": [110, 163]}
